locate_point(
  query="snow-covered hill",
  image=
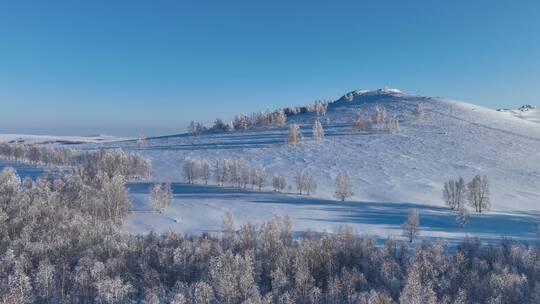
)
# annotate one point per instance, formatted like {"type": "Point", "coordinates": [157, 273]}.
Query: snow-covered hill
{"type": "Point", "coordinates": [527, 112]}
{"type": "Point", "coordinates": [454, 139]}
{"type": "Point", "coordinates": [407, 168]}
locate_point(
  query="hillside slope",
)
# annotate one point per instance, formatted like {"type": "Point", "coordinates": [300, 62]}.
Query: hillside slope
{"type": "Point", "coordinates": [454, 139]}
{"type": "Point", "coordinates": [526, 112]}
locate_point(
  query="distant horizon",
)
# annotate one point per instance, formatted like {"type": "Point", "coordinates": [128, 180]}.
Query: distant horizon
{"type": "Point", "coordinates": [125, 67]}
{"type": "Point", "coordinates": [153, 131]}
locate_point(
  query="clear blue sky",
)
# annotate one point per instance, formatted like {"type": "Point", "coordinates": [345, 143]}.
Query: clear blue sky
{"type": "Point", "coordinates": [122, 67]}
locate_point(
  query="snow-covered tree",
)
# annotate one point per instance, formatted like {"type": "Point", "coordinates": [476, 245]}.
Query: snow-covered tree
{"type": "Point", "coordinates": [205, 170]}
{"type": "Point", "coordinates": [19, 287]}
{"type": "Point", "coordinates": [305, 182]}
{"type": "Point", "coordinates": [360, 122]}
{"type": "Point", "coordinates": [240, 122]}
{"type": "Point", "coordinates": [280, 118]}
{"type": "Point", "coordinates": [195, 128]}
{"type": "Point", "coordinates": [113, 291]}
{"type": "Point", "coordinates": [45, 280]}
{"type": "Point", "coordinates": [379, 115]}
{"type": "Point", "coordinates": [343, 186]}
{"type": "Point", "coordinates": [228, 226]}
{"type": "Point", "coordinates": [161, 195]}
{"type": "Point", "coordinates": [454, 193]}
{"type": "Point", "coordinates": [416, 291]}
{"type": "Point", "coordinates": [392, 125]}
{"type": "Point", "coordinates": [295, 135]}
{"type": "Point", "coordinates": [259, 177]}
{"type": "Point", "coordinates": [478, 193]}
{"type": "Point", "coordinates": [320, 108]}
{"type": "Point", "coordinates": [462, 216]}
{"type": "Point", "coordinates": [203, 293]}
{"type": "Point", "coordinates": [219, 125]}
{"type": "Point", "coordinates": [318, 131]}
{"type": "Point", "coordinates": [410, 226]}
{"type": "Point", "coordinates": [141, 141]}
{"type": "Point", "coordinates": [419, 112]}
{"type": "Point", "coordinates": [190, 170]}
{"type": "Point", "coordinates": [220, 171]}
{"type": "Point", "coordinates": [278, 183]}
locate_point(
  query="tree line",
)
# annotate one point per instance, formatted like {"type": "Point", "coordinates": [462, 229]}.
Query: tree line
{"type": "Point", "coordinates": [261, 119]}
{"type": "Point", "coordinates": [113, 162]}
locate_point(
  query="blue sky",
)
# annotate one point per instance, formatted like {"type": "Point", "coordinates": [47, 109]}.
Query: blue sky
{"type": "Point", "coordinates": [124, 67]}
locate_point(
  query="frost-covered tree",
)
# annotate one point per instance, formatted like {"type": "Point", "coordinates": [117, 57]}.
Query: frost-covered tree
{"type": "Point", "coordinates": [280, 118]}
{"type": "Point", "coordinates": [240, 122]}
{"type": "Point", "coordinates": [278, 183]}
{"type": "Point", "coordinates": [295, 135]}
{"type": "Point", "coordinates": [392, 125]}
{"type": "Point", "coordinates": [141, 141]}
{"type": "Point", "coordinates": [379, 115]}
{"type": "Point", "coordinates": [320, 108]}
{"type": "Point", "coordinates": [411, 225]}
{"type": "Point", "coordinates": [220, 171]}
{"type": "Point", "coordinates": [416, 291]}
{"type": "Point", "coordinates": [343, 186]}
{"type": "Point", "coordinates": [360, 122]}
{"type": "Point", "coordinates": [45, 280]}
{"type": "Point", "coordinates": [318, 131]}
{"type": "Point", "coordinates": [19, 287]}
{"type": "Point", "coordinates": [259, 177]}
{"type": "Point", "coordinates": [454, 193]}
{"type": "Point", "coordinates": [195, 128]}
{"type": "Point", "coordinates": [228, 226]}
{"type": "Point", "coordinates": [203, 293]}
{"type": "Point", "coordinates": [161, 195]}
{"type": "Point", "coordinates": [113, 291]}
{"type": "Point", "coordinates": [190, 169]}
{"type": "Point", "coordinates": [219, 125]}
{"type": "Point", "coordinates": [419, 112]}
{"type": "Point", "coordinates": [205, 171]}
{"type": "Point", "coordinates": [305, 182]}
{"type": "Point", "coordinates": [478, 193]}
{"type": "Point", "coordinates": [462, 216]}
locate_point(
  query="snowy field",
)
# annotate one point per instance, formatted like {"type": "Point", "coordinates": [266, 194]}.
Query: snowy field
{"type": "Point", "coordinates": [198, 209]}
{"type": "Point", "coordinates": [390, 173]}
{"type": "Point", "coordinates": [525, 112]}
{"type": "Point", "coordinates": [51, 139]}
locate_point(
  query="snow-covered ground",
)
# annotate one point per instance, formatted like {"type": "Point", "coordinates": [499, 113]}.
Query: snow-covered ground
{"type": "Point", "coordinates": [42, 139]}
{"type": "Point", "coordinates": [197, 209]}
{"type": "Point", "coordinates": [390, 173]}
{"type": "Point", "coordinates": [526, 112]}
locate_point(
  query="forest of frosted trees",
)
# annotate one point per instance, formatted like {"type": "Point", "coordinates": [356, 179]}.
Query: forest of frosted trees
{"type": "Point", "coordinates": [60, 242]}
{"type": "Point", "coordinates": [110, 161]}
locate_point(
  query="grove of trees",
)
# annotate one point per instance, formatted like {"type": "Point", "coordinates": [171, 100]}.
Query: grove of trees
{"type": "Point", "coordinates": [380, 121]}
{"type": "Point", "coordinates": [61, 242]}
{"type": "Point", "coordinates": [113, 162]}
{"type": "Point", "coordinates": [456, 193]}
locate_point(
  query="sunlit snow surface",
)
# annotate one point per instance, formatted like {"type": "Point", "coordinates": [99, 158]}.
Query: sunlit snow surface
{"type": "Point", "coordinates": [390, 172]}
